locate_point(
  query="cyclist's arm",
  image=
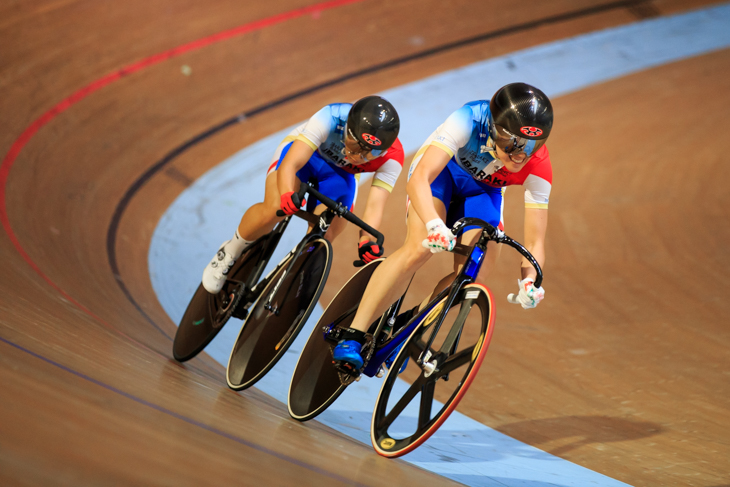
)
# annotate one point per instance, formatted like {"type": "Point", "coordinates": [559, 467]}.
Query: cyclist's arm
{"type": "Point", "coordinates": [286, 176]}
{"type": "Point", "coordinates": [535, 229]}
{"type": "Point", "coordinates": [374, 209]}
{"type": "Point", "coordinates": [433, 162]}
{"type": "Point", "coordinates": [538, 186]}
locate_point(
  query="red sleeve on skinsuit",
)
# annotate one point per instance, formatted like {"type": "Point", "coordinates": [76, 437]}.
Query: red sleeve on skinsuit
{"type": "Point", "coordinates": [541, 166]}
{"type": "Point", "coordinates": [394, 152]}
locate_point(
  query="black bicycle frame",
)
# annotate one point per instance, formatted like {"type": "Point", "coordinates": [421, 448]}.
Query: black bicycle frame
{"type": "Point", "coordinates": [320, 225]}
{"type": "Point", "coordinates": [248, 290]}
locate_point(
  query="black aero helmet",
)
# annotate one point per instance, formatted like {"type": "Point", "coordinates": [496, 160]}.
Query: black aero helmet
{"type": "Point", "coordinates": [374, 123]}
{"type": "Point", "coordinates": [521, 118]}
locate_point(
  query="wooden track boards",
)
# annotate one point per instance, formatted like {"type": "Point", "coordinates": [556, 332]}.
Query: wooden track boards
{"type": "Point", "coordinates": [625, 376]}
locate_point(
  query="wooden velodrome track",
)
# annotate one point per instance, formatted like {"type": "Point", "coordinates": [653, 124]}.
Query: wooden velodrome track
{"type": "Point", "coordinates": [624, 369]}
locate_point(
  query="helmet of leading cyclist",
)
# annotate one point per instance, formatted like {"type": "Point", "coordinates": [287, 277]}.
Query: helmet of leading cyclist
{"type": "Point", "coordinates": [373, 123]}
{"type": "Point", "coordinates": [521, 117]}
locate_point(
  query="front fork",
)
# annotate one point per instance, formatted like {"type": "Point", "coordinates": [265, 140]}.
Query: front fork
{"type": "Point", "coordinates": [427, 360]}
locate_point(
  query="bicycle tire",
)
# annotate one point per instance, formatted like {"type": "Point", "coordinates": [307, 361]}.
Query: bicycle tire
{"type": "Point", "coordinates": [207, 313]}
{"type": "Point", "coordinates": [389, 424]}
{"type": "Point", "coordinates": [265, 335]}
{"type": "Point", "coordinates": [316, 384]}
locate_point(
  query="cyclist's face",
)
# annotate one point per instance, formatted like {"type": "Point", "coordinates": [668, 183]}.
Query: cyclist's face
{"type": "Point", "coordinates": [514, 151]}
{"type": "Point", "coordinates": [513, 162]}
{"type": "Point", "coordinates": [354, 153]}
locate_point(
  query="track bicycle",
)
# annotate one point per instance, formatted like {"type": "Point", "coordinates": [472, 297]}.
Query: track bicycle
{"type": "Point", "coordinates": [435, 351]}
{"type": "Point", "coordinates": [287, 296]}
{"type": "Point", "coordinates": [207, 313]}
{"type": "Point", "coordinates": [272, 315]}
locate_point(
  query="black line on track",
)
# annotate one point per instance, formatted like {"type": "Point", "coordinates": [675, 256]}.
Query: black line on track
{"type": "Point", "coordinates": [640, 8]}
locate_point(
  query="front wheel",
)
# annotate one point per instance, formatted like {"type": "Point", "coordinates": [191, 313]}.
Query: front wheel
{"type": "Point", "coordinates": [412, 405]}
{"type": "Point", "coordinates": [279, 313]}
{"type": "Point", "coordinates": [207, 313]}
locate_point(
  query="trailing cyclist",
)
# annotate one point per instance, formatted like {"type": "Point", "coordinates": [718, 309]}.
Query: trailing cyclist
{"type": "Point", "coordinates": [461, 171]}
{"type": "Point", "coordinates": [338, 143]}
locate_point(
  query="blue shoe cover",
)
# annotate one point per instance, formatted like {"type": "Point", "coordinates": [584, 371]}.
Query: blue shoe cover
{"type": "Point", "coordinates": [348, 351]}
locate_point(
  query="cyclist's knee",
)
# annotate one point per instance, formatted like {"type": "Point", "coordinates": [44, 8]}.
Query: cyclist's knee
{"type": "Point", "coordinates": [270, 209]}
{"type": "Point", "coordinates": [416, 254]}
{"type": "Point", "coordinates": [336, 227]}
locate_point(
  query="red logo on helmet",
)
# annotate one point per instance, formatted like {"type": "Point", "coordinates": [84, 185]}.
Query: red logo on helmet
{"type": "Point", "coordinates": [531, 131]}
{"type": "Point", "coordinates": [371, 139]}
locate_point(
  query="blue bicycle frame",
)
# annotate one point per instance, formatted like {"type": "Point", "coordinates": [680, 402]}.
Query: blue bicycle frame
{"type": "Point", "coordinates": [467, 274]}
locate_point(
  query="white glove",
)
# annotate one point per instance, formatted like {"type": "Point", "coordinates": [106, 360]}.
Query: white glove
{"type": "Point", "coordinates": [439, 237]}
{"type": "Point", "coordinates": [529, 295]}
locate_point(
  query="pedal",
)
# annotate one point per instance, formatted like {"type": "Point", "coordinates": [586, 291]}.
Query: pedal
{"type": "Point", "coordinates": [240, 312]}
{"type": "Point", "coordinates": [348, 374]}
{"type": "Point", "coordinates": [346, 368]}
{"type": "Point", "coordinates": [332, 333]}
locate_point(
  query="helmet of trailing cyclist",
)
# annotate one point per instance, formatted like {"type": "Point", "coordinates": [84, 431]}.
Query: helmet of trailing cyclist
{"type": "Point", "coordinates": [521, 117]}
{"type": "Point", "coordinates": [373, 123]}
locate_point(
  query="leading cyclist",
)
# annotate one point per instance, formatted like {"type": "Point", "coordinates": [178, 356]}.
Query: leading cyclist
{"type": "Point", "coordinates": [339, 142]}
{"type": "Point", "coordinates": [461, 171]}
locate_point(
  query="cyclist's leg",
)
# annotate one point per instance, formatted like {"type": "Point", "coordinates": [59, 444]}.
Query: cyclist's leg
{"type": "Point", "coordinates": [466, 238]}
{"type": "Point", "coordinates": [387, 282]}
{"type": "Point", "coordinates": [490, 260]}
{"type": "Point", "coordinates": [257, 221]}
{"type": "Point", "coordinates": [336, 228]}
{"type": "Point", "coordinates": [261, 218]}
{"type": "Point", "coordinates": [348, 200]}
{"type": "Point", "coordinates": [341, 186]}
{"type": "Point", "coordinates": [386, 285]}
{"type": "Point", "coordinates": [333, 182]}
{"type": "Point", "coordinates": [491, 208]}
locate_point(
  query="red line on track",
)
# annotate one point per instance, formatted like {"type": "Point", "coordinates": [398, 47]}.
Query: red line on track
{"type": "Point", "coordinates": [82, 93]}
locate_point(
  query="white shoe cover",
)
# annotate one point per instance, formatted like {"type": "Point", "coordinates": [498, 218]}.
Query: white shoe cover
{"type": "Point", "coordinates": [214, 275]}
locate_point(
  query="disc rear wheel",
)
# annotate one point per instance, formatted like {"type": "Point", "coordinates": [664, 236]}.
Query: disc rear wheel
{"type": "Point", "coordinates": [316, 383]}
{"type": "Point", "coordinates": [207, 313]}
